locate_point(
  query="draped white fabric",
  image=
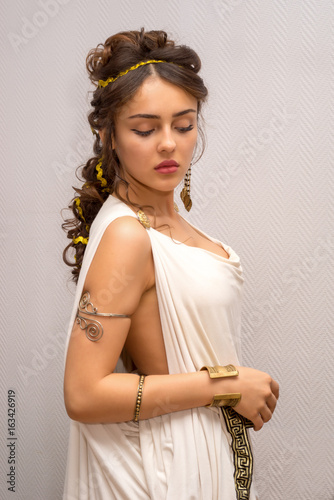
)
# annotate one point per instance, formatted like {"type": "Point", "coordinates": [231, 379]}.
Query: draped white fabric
{"type": "Point", "coordinates": [185, 454]}
{"type": "Point", "coordinates": [265, 185]}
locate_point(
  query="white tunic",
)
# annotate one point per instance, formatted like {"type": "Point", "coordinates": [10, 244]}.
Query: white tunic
{"type": "Point", "coordinates": [184, 455]}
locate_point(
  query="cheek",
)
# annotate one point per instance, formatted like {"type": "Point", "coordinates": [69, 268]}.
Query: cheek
{"type": "Point", "coordinates": [191, 145]}
{"type": "Point", "coordinates": [133, 152]}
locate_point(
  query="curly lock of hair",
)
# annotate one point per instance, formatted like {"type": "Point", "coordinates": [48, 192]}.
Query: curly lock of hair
{"type": "Point", "coordinates": [119, 53]}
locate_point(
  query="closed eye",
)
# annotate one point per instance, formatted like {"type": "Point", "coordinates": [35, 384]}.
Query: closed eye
{"type": "Point", "coordinates": [142, 133]}
{"type": "Point", "coordinates": [145, 133]}
{"type": "Point", "coordinates": [185, 129]}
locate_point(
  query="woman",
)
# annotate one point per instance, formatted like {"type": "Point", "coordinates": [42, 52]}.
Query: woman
{"type": "Point", "coordinates": [156, 292]}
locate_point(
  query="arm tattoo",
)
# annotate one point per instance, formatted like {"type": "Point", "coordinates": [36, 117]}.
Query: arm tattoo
{"type": "Point", "coordinates": [93, 328]}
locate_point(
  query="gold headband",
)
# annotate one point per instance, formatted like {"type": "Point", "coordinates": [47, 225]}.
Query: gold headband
{"type": "Point", "coordinates": [104, 83]}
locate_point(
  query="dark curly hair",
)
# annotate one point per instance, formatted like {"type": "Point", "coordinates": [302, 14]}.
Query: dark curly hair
{"type": "Point", "coordinates": [120, 52]}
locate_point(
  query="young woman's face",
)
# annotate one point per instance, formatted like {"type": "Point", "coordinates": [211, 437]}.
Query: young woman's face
{"type": "Point", "coordinates": [159, 124]}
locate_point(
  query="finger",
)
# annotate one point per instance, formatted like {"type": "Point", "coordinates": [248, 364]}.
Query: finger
{"type": "Point", "coordinates": [271, 403]}
{"type": "Point", "coordinates": [266, 414]}
{"type": "Point", "coordinates": [275, 388]}
{"type": "Point", "coordinates": [258, 422]}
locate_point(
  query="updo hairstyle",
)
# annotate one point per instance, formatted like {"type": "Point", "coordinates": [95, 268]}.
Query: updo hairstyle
{"type": "Point", "coordinates": [119, 53]}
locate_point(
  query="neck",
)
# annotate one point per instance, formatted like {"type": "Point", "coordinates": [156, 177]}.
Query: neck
{"type": "Point", "coordinates": [162, 202]}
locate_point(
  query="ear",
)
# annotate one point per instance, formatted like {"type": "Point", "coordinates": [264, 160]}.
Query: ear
{"type": "Point", "coordinates": [101, 134]}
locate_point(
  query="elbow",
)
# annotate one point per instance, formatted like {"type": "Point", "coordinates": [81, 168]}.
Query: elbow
{"type": "Point", "coordinates": [73, 412]}
{"type": "Point", "coordinates": [76, 405]}
{"type": "Point", "coordinates": [73, 408]}
{"type": "Point", "coordinates": [81, 405]}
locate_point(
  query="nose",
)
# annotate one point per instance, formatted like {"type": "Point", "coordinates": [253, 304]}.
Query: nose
{"type": "Point", "coordinates": [166, 141]}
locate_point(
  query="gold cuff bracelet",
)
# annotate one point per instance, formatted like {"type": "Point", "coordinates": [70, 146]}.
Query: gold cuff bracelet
{"type": "Point", "coordinates": [221, 371]}
{"type": "Point", "coordinates": [225, 399]}
{"type": "Point", "coordinates": [231, 399]}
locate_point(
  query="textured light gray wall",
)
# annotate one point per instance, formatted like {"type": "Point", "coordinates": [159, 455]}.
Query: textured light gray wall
{"type": "Point", "coordinates": [264, 186]}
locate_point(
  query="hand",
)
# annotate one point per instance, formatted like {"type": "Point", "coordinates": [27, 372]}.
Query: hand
{"type": "Point", "coordinates": [259, 395]}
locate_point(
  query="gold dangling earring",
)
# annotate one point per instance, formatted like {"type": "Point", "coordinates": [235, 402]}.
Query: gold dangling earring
{"type": "Point", "coordinates": [185, 193]}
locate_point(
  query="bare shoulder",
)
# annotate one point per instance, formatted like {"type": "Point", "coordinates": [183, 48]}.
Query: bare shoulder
{"type": "Point", "coordinates": [122, 267]}
{"type": "Point", "coordinates": [126, 233]}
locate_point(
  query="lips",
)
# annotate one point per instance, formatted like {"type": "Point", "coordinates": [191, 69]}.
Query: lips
{"type": "Point", "coordinates": [167, 167]}
{"type": "Point", "coordinates": [167, 163]}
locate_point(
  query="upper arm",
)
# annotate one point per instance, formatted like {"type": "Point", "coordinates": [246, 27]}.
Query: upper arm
{"type": "Point", "coordinates": [122, 267]}
{"type": "Point", "coordinates": [121, 271]}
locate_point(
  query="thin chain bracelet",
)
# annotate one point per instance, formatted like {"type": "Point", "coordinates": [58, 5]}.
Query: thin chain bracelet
{"type": "Point", "coordinates": [139, 397]}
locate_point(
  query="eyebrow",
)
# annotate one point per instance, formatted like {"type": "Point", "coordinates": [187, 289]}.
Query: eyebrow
{"type": "Point", "coordinates": [156, 117]}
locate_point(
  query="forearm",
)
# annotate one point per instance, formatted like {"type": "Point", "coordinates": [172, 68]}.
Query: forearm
{"type": "Point", "coordinates": [113, 398]}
